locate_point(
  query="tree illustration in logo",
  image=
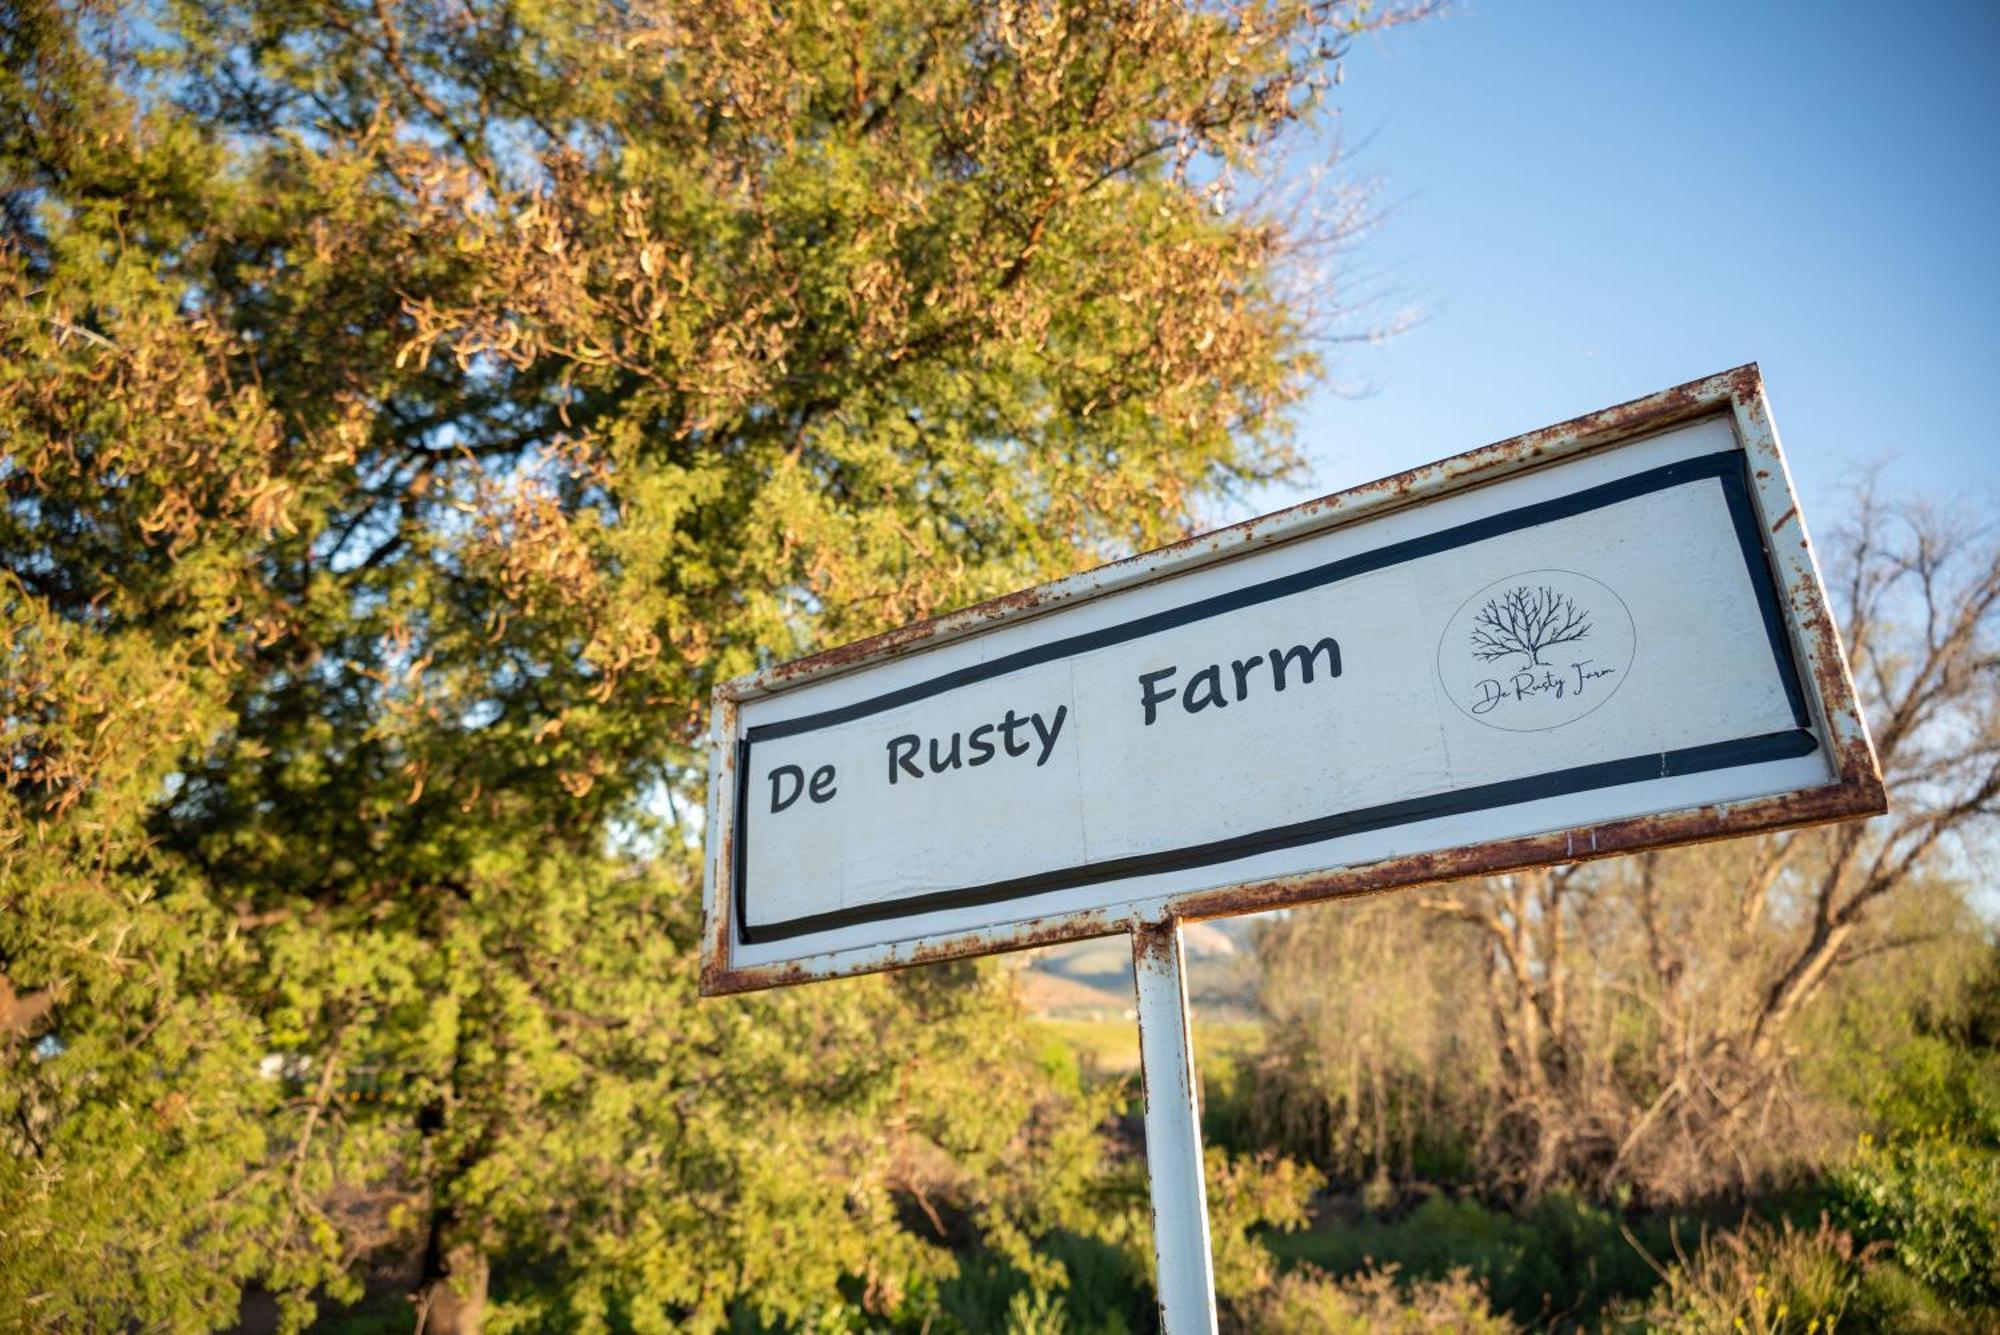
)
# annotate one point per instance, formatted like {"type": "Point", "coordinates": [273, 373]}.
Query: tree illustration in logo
{"type": "Point", "coordinates": [1526, 621]}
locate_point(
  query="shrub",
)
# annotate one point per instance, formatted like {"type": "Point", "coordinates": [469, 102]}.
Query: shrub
{"type": "Point", "coordinates": [1308, 1301]}
{"type": "Point", "coordinates": [1760, 1279]}
{"type": "Point", "coordinates": [1248, 1197]}
{"type": "Point", "coordinates": [1936, 1199]}
{"type": "Point", "coordinates": [1037, 1312]}
{"type": "Point", "coordinates": [1565, 1259]}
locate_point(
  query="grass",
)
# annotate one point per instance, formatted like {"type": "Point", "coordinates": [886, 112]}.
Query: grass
{"type": "Point", "coordinates": [1110, 1047]}
{"type": "Point", "coordinates": [1104, 1048]}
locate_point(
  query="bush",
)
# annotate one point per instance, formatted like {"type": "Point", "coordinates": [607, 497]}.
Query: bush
{"type": "Point", "coordinates": [1936, 1199]}
{"type": "Point", "coordinates": [1565, 1259]}
{"type": "Point", "coordinates": [1760, 1279]}
{"type": "Point", "coordinates": [1929, 1182]}
{"type": "Point", "coordinates": [1248, 1199]}
{"type": "Point", "coordinates": [1102, 1292]}
{"type": "Point", "coordinates": [1308, 1301]}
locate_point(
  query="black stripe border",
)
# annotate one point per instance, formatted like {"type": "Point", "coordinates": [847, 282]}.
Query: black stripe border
{"type": "Point", "coordinates": [1728, 467]}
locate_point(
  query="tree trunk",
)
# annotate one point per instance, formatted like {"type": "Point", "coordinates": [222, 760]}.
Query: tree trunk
{"type": "Point", "coordinates": [451, 1299]}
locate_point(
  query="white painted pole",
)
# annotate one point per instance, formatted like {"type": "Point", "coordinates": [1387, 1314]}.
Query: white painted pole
{"type": "Point", "coordinates": [1183, 1271]}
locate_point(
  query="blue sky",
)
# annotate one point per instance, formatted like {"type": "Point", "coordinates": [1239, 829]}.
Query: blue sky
{"type": "Point", "coordinates": [1593, 199]}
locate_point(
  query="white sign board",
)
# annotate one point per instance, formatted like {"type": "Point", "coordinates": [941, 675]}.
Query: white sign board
{"type": "Point", "coordinates": [1604, 636]}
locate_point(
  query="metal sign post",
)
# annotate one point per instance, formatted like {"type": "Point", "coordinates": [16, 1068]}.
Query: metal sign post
{"type": "Point", "coordinates": [1185, 1274]}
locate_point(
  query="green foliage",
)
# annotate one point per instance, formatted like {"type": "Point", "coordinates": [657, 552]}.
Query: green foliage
{"type": "Point", "coordinates": [1759, 1279]}
{"type": "Point", "coordinates": [1893, 1301]}
{"type": "Point", "coordinates": [1308, 1302]}
{"type": "Point", "coordinates": [1107, 1290]}
{"type": "Point", "coordinates": [1227, 1061]}
{"type": "Point", "coordinates": [1900, 1041]}
{"type": "Point", "coordinates": [1039, 1313]}
{"type": "Point", "coordinates": [1936, 1199]}
{"type": "Point", "coordinates": [1926, 1179]}
{"type": "Point", "coordinates": [1096, 1288]}
{"type": "Point", "coordinates": [1564, 1258]}
{"type": "Point", "coordinates": [1247, 1199]}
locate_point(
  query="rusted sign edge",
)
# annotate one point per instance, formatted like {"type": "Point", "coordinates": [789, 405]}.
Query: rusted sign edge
{"type": "Point", "coordinates": [1857, 791]}
{"type": "Point", "coordinates": [1815, 636]}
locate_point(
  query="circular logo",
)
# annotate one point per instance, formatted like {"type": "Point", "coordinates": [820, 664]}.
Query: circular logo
{"type": "Point", "coordinates": [1536, 650]}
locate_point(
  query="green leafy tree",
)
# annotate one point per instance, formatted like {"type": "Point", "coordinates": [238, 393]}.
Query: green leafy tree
{"type": "Point", "coordinates": [410, 411]}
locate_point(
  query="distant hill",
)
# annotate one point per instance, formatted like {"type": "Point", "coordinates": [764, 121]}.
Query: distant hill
{"type": "Point", "coordinates": [1094, 978]}
{"type": "Point", "coordinates": [1052, 995]}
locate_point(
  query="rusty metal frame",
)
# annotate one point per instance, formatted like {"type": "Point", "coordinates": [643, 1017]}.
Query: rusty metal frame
{"type": "Point", "coordinates": [1738, 394]}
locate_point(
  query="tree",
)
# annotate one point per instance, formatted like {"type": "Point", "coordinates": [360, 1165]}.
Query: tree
{"type": "Point", "coordinates": [1634, 1025]}
{"type": "Point", "coordinates": [412, 410]}
{"type": "Point", "coordinates": [1526, 621]}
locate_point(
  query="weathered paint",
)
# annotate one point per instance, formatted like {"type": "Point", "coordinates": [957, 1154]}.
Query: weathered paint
{"type": "Point", "coordinates": [1815, 641]}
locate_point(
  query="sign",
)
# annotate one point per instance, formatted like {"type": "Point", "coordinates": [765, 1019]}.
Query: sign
{"type": "Point", "coordinates": [1603, 636]}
